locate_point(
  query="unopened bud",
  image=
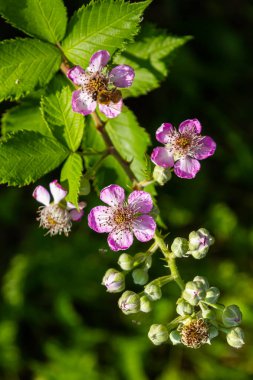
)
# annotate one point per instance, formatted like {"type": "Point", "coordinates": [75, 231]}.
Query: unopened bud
{"type": "Point", "coordinates": [206, 312]}
{"type": "Point", "coordinates": [180, 247]}
{"type": "Point", "coordinates": [203, 280]}
{"type": "Point", "coordinates": [175, 337]}
{"type": "Point", "coordinates": [213, 332]}
{"type": "Point", "coordinates": [140, 276]}
{"type": "Point", "coordinates": [145, 304]}
{"type": "Point", "coordinates": [158, 334]}
{"type": "Point", "coordinates": [212, 294]}
{"type": "Point", "coordinates": [194, 292]}
{"type": "Point", "coordinates": [231, 316]}
{"type": "Point", "coordinates": [235, 337]}
{"type": "Point", "coordinates": [199, 243]}
{"type": "Point", "coordinates": [129, 302]}
{"type": "Point", "coordinates": [183, 307]}
{"type": "Point", "coordinates": [161, 175]}
{"type": "Point", "coordinates": [114, 281]}
{"type": "Point", "coordinates": [126, 261]}
{"type": "Point", "coordinates": [139, 258]}
{"type": "Point", "coordinates": [153, 292]}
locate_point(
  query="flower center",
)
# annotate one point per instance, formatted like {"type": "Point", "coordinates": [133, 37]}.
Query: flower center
{"type": "Point", "coordinates": [123, 216]}
{"type": "Point", "coordinates": [183, 141]}
{"type": "Point", "coordinates": [55, 219]}
{"type": "Point", "coordinates": [95, 84]}
{"type": "Point", "coordinates": [195, 333]}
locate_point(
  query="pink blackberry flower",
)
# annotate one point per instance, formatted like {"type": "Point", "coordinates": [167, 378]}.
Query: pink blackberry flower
{"type": "Point", "coordinates": [99, 86]}
{"type": "Point", "coordinates": [183, 148]}
{"type": "Point", "coordinates": [57, 216]}
{"type": "Point", "coordinates": [123, 219]}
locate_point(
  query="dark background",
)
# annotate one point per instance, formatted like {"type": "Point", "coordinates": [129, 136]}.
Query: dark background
{"type": "Point", "coordinates": [57, 322]}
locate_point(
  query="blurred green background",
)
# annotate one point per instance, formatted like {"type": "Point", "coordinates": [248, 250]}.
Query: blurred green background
{"type": "Point", "coordinates": [56, 320]}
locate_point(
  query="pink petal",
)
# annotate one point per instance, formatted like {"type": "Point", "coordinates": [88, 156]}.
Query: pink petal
{"type": "Point", "coordinates": [76, 74]}
{"type": "Point", "coordinates": [112, 195]}
{"type": "Point", "coordinates": [98, 60]}
{"type": "Point", "coordinates": [186, 167]}
{"type": "Point", "coordinates": [144, 228]}
{"type": "Point", "coordinates": [140, 201]}
{"type": "Point", "coordinates": [57, 191]}
{"type": "Point", "coordinates": [76, 215]}
{"type": "Point", "coordinates": [161, 157]}
{"type": "Point", "coordinates": [192, 125]}
{"type": "Point", "coordinates": [206, 148]}
{"type": "Point", "coordinates": [122, 76]}
{"type": "Point", "coordinates": [99, 219]}
{"type": "Point", "coordinates": [164, 133]}
{"type": "Point", "coordinates": [41, 195]}
{"type": "Point", "coordinates": [112, 109]}
{"type": "Point", "coordinates": [120, 239]}
{"type": "Point", "coordinates": [81, 205]}
{"type": "Point", "coordinates": [83, 103]}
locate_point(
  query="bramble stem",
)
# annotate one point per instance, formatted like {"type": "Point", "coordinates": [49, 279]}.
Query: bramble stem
{"type": "Point", "coordinates": [170, 260]}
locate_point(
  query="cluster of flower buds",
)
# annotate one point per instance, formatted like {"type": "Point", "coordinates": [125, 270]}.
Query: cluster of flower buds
{"type": "Point", "coordinates": [200, 319]}
{"type": "Point", "coordinates": [196, 246]}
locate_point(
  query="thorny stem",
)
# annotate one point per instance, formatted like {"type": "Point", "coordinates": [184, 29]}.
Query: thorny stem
{"type": "Point", "coordinates": [170, 260]}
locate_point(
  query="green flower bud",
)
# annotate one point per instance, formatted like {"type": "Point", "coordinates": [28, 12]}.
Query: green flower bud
{"type": "Point", "coordinates": [125, 261]}
{"type": "Point", "coordinates": [207, 313]}
{"type": "Point", "coordinates": [180, 247]}
{"type": "Point", "coordinates": [145, 304]}
{"type": "Point", "coordinates": [212, 294]}
{"type": "Point", "coordinates": [140, 276]}
{"type": "Point", "coordinates": [148, 263]}
{"type": "Point", "coordinates": [235, 337]}
{"type": "Point", "coordinates": [161, 175]}
{"type": "Point", "coordinates": [183, 307]}
{"type": "Point", "coordinates": [158, 334]}
{"type": "Point", "coordinates": [84, 186]}
{"type": "Point", "coordinates": [129, 302]}
{"type": "Point", "coordinates": [231, 316]}
{"type": "Point", "coordinates": [153, 292]}
{"type": "Point", "coordinates": [213, 332]}
{"type": "Point", "coordinates": [199, 243]}
{"type": "Point", "coordinates": [139, 258]}
{"type": "Point", "coordinates": [194, 292]}
{"type": "Point", "coordinates": [203, 280]}
{"type": "Point", "coordinates": [175, 337]}
{"type": "Point", "coordinates": [114, 281]}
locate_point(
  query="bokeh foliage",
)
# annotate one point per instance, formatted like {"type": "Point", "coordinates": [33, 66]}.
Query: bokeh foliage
{"type": "Point", "coordinates": [57, 322]}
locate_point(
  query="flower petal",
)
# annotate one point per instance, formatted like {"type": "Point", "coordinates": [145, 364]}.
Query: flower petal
{"type": "Point", "coordinates": [164, 133]}
{"type": "Point", "coordinates": [99, 219]}
{"type": "Point", "coordinates": [122, 76]}
{"type": "Point", "coordinates": [41, 195]}
{"type": "Point", "coordinates": [191, 125]}
{"type": "Point", "coordinates": [141, 201]}
{"type": "Point", "coordinates": [57, 191]}
{"type": "Point", "coordinates": [76, 74]}
{"type": "Point", "coordinates": [98, 61]}
{"type": "Point", "coordinates": [186, 167]}
{"type": "Point", "coordinates": [112, 195]}
{"type": "Point", "coordinates": [76, 215]}
{"type": "Point", "coordinates": [112, 109]}
{"type": "Point", "coordinates": [120, 239]}
{"type": "Point", "coordinates": [144, 228]}
{"type": "Point", "coordinates": [83, 103]}
{"type": "Point", "coordinates": [205, 149]}
{"type": "Point", "coordinates": [162, 157]}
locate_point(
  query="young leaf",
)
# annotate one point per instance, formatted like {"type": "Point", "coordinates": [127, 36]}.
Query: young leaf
{"type": "Point", "coordinates": [130, 140]}
{"type": "Point", "coordinates": [25, 65]}
{"type": "Point", "coordinates": [66, 125]}
{"type": "Point", "coordinates": [26, 116]}
{"type": "Point", "coordinates": [26, 156]}
{"type": "Point", "coordinates": [71, 174]}
{"type": "Point", "coordinates": [104, 24]}
{"type": "Point", "coordinates": [150, 59]}
{"type": "Point", "coordinates": [45, 19]}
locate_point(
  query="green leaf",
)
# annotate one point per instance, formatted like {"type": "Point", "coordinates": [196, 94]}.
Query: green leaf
{"type": "Point", "coordinates": [66, 125]}
{"type": "Point", "coordinates": [130, 140]}
{"type": "Point", "coordinates": [71, 174]}
{"type": "Point", "coordinates": [110, 171]}
{"type": "Point", "coordinates": [105, 24]}
{"type": "Point", "coordinates": [150, 59]}
{"type": "Point", "coordinates": [26, 116]}
{"type": "Point", "coordinates": [25, 65]}
{"type": "Point", "coordinates": [26, 156]}
{"type": "Point", "coordinates": [45, 19]}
